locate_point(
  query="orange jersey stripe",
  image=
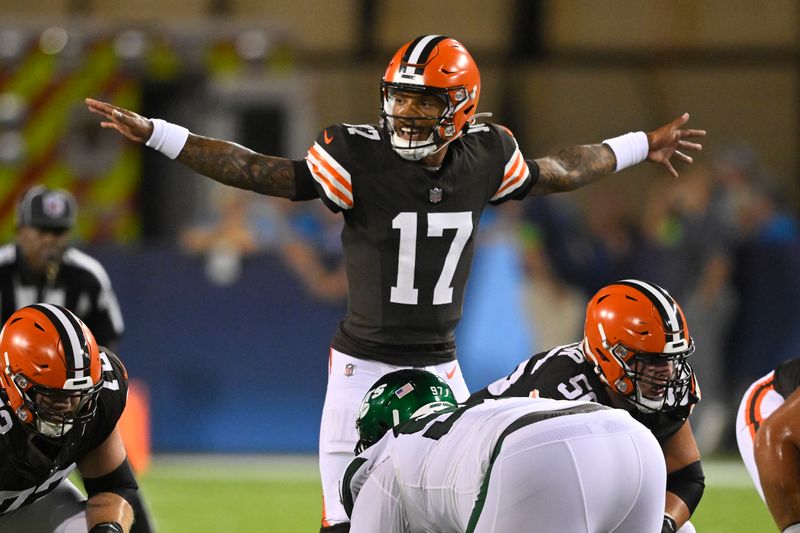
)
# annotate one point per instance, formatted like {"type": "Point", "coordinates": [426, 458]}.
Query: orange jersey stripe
{"type": "Point", "coordinates": [752, 414]}
{"type": "Point", "coordinates": [319, 175]}
{"type": "Point", "coordinates": [514, 167]}
{"type": "Point", "coordinates": [510, 184]}
{"type": "Point", "coordinates": [336, 174]}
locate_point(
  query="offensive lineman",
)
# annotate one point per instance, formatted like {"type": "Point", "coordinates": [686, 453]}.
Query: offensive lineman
{"type": "Point", "coordinates": [61, 398]}
{"type": "Point", "coordinates": [768, 435]}
{"type": "Point", "coordinates": [633, 357]}
{"type": "Point", "coordinates": [412, 191]}
{"type": "Point", "coordinates": [516, 464]}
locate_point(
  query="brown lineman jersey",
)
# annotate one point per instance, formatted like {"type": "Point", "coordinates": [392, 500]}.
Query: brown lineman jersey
{"type": "Point", "coordinates": [31, 467]}
{"type": "Point", "coordinates": [409, 233]}
{"type": "Point", "coordinates": [564, 373]}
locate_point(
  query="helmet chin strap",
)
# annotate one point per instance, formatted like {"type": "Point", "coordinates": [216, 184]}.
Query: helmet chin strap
{"type": "Point", "coordinates": [646, 405]}
{"type": "Point", "coordinates": [414, 152]}
{"type": "Point", "coordinates": [51, 429]}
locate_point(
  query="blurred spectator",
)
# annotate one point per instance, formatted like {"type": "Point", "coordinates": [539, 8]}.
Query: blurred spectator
{"type": "Point", "coordinates": [307, 237]}
{"type": "Point", "coordinates": [554, 307]}
{"type": "Point", "coordinates": [313, 251]}
{"type": "Point", "coordinates": [495, 332]}
{"type": "Point", "coordinates": [587, 247]}
{"type": "Point", "coordinates": [41, 266]}
{"type": "Point", "coordinates": [766, 326]}
{"type": "Point", "coordinates": [686, 248]}
{"type": "Point", "coordinates": [238, 224]}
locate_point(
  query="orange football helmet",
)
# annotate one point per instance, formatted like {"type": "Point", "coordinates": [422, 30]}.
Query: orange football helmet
{"type": "Point", "coordinates": [51, 371]}
{"type": "Point", "coordinates": [636, 336]}
{"type": "Point", "coordinates": [437, 65]}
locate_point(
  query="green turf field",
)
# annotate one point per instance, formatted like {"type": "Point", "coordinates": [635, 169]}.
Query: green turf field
{"type": "Point", "coordinates": [222, 494]}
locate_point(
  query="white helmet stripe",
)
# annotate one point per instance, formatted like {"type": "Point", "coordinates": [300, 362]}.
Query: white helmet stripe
{"type": "Point", "coordinates": [667, 310]}
{"type": "Point", "coordinates": [415, 54]}
{"type": "Point", "coordinates": [74, 348]}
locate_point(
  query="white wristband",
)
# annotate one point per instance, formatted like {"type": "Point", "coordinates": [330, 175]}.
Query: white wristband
{"type": "Point", "coordinates": [794, 528]}
{"type": "Point", "coordinates": [167, 138]}
{"type": "Point", "coordinates": [629, 149]}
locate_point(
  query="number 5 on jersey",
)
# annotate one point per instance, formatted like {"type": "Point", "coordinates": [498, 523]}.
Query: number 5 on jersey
{"type": "Point", "coordinates": [404, 291]}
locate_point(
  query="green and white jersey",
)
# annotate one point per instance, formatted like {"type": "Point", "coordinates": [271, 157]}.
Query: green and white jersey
{"type": "Point", "coordinates": [437, 465]}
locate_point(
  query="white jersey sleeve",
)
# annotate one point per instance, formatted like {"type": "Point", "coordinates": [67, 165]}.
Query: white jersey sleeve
{"type": "Point", "coordinates": [379, 506]}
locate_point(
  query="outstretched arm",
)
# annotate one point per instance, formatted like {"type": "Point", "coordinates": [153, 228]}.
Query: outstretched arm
{"type": "Point", "coordinates": [226, 162]}
{"type": "Point", "coordinates": [577, 166]}
{"type": "Point", "coordinates": [777, 453]}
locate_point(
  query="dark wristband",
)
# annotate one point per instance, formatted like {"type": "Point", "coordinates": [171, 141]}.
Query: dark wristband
{"type": "Point", "coordinates": [669, 525]}
{"type": "Point", "coordinates": [107, 527]}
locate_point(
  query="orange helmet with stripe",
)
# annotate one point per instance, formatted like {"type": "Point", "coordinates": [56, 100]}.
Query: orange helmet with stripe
{"type": "Point", "coordinates": [435, 65]}
{"type": "Point", "coordinates": [637, 337]}
{"type": "Point", "coordinates": [51, 371]}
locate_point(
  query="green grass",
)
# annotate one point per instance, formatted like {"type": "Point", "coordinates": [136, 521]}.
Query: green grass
{"type": "Point", "coordinates": [218, 494]}
{"type": "Point", "coordinates": [234, 494]}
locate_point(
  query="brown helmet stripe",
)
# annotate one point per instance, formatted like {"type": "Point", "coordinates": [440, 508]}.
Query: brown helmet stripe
{"type": "Point", "coordinates": [666, 306]}
{"type": "Point", "coordinates": [418, 52]}
{"type": "Point", "coordinates": [73, 340]}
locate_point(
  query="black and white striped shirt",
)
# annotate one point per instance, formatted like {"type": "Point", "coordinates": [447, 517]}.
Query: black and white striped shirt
{"type": "Point", "coordinates": [81, 285]}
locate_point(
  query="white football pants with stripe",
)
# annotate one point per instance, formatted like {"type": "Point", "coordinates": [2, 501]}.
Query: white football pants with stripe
{"type": "Point", "coordinates": [349, 379]}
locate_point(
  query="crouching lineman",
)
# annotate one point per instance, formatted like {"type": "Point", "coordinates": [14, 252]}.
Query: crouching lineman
{"type": "Point", "coordinates": [633, 357]}
{"type": "Point", "coordinates": [516, 464]}
{"type": "Point", "coordinates": [768, 434]}
{"type": "Point", "coordinates": [61, 398]}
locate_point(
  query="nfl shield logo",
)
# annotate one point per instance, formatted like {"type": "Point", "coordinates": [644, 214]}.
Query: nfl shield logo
{"type": "Point", "coordinates": [54, 205]}
{"type": "Point", "coordinates": [435, 195]}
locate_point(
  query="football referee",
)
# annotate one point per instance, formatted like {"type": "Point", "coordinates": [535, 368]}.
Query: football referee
{"type": "Point", "coordinates": [42, 267]}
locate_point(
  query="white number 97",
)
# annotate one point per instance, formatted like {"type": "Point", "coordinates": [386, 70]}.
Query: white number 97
{"type": "Point", "coordinates": [440, 391]}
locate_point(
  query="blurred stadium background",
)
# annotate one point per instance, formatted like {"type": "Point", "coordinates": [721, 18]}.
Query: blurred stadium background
{"type": "Point", "coordinates": [228, 343]}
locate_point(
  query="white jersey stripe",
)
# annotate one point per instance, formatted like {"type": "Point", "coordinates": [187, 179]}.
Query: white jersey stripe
{"type": "Point", "coordinates": [516, 176]}
{"type": "Point", "coordinates": [513, 161]}
{"type": "Point", "coordinates": [513, 186]}
{"type": "Point", "coordinates": [328, 158]}
{"type": "Point", "coordinates": [333, 178]}
{"type": "Point", "coordinates": [326, 184]}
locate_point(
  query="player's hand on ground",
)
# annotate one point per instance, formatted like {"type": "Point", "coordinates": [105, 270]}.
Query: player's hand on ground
{"type": "Point", "coordinates": [670, 140]}
{"type": "Point", "coordinates": [133, 126]}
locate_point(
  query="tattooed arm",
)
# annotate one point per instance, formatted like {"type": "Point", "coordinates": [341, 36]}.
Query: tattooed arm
{"type": "Point", "coordinates": [235, 165]}
{"type": "Point", "coordinates": [226, 162]}
{"type": "Point", "coordinates": [577, 166]}
{"type": "Point", "coordinates": [573, 168]}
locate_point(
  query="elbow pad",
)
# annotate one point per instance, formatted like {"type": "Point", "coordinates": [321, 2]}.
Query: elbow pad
{"type": "Point", "coordinates": [688, 484]}
{"type": "Point", "coordinates": [120, 481]}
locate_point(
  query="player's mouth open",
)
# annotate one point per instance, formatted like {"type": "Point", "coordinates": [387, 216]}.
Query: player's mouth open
{"type": "Point", "coordinates": [413, 134]}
